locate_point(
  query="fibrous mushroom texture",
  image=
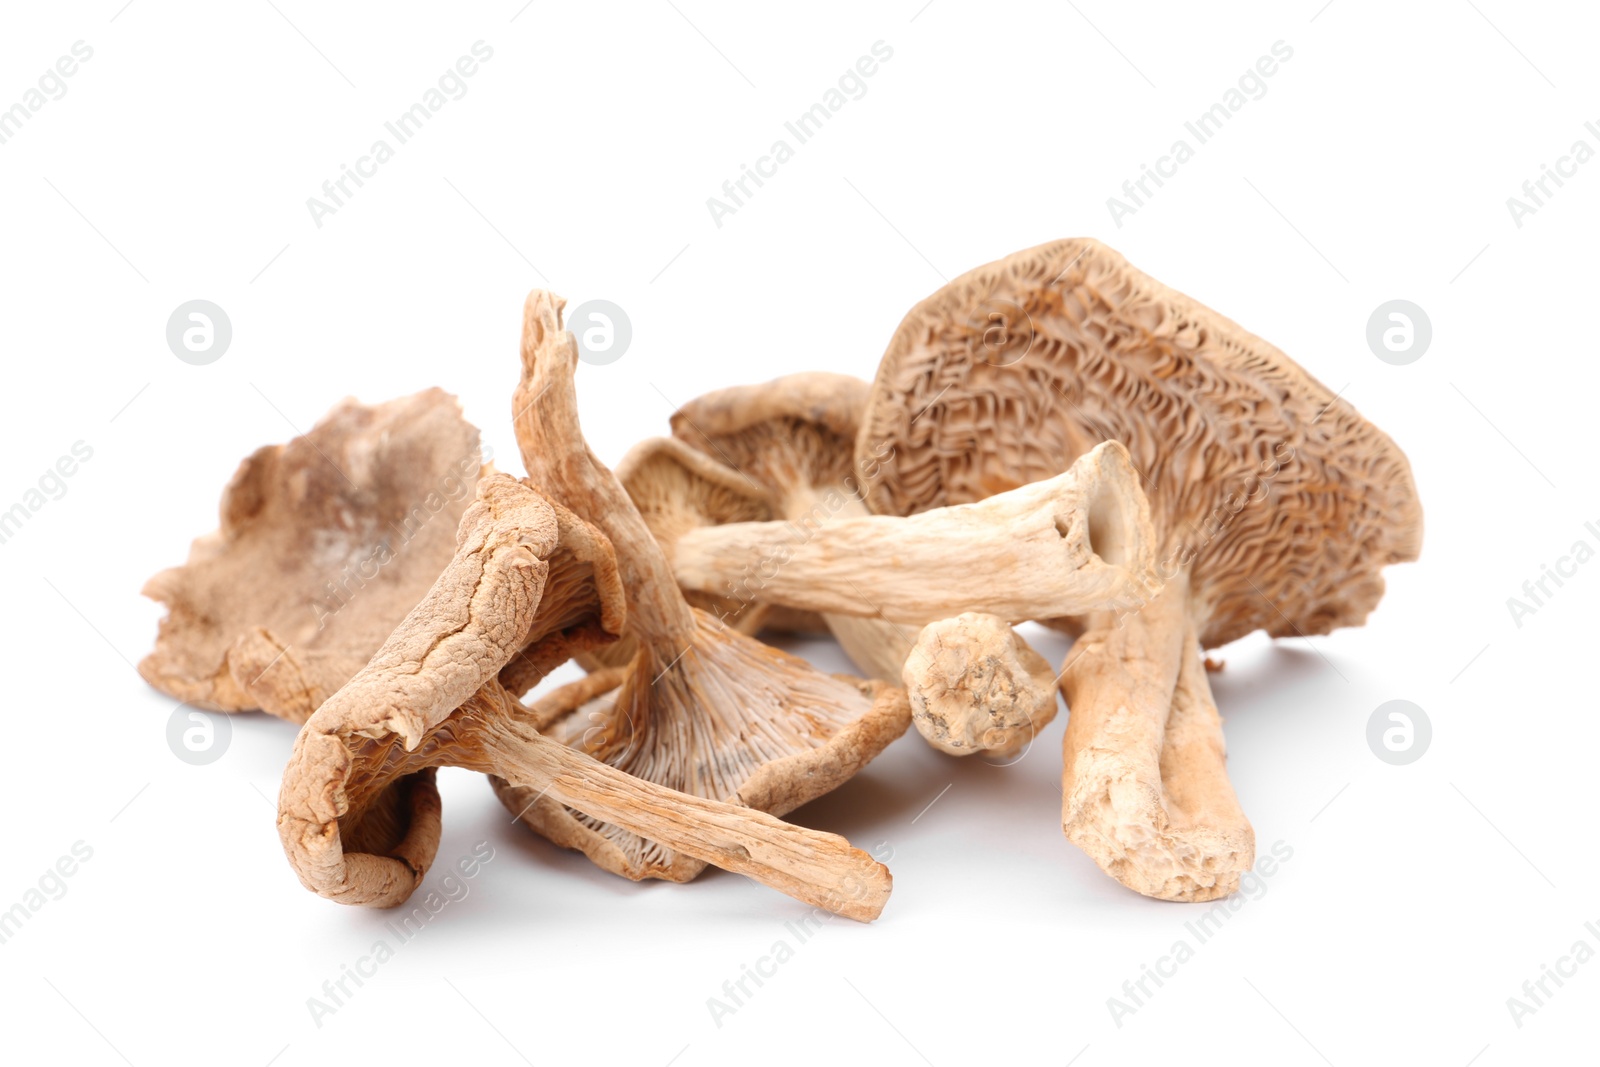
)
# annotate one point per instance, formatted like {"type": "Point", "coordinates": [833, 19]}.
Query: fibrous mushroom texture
{"type": "Point", "coordinates": [359, 814]}
{"type": "Point", "coordinates": [795, 437]}
{"type": "Point", "coordinates": [704, 709]}
{"type": "Point", "coordinates": [1276, 503]}
{"type": "Point", "coordinates": [325, 543]}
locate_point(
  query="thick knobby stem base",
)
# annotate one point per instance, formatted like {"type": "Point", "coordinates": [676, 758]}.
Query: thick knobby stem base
{"type": "Point", "coordinates": [976, 686]}
{"type": "Point", "coordinates": [1145, 785]}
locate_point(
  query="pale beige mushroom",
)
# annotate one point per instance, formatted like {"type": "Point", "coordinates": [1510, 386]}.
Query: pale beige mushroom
{"type": "Point", "coordinates": [359, 815]}
{"type": "Point", "coordinates": [704, 709]}
{"type": "Point", "coordinates": [976, 686]}
{"type": "Point", "coordinates": [1277, 506]}
{"type": "Point", "coordinates": [795, 437]}
{"type": "Point", "coordinates": [1078, 542]}
{"type": "Point", "coordinates": [325, 543]}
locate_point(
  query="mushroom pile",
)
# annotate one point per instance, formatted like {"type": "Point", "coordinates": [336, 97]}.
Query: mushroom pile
{"type": "Point", "coordinates": [1051, 438]}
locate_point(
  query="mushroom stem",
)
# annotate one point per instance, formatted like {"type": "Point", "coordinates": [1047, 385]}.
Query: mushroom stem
{"type": "Point", "coordinates": [1068, 545]}
{"type": "Point", "coordinates": [874, 644]}
{"type": "Point", "coordinates": [564, 700]}
{"type": "Point", "coordinates": [1145, 790]}
{"type": "Point", "coordinates": [817, 868]}
{"type": "Point", "coordinates": [976, 686]}
{"type": "Point", "coordinates": [559, 461]}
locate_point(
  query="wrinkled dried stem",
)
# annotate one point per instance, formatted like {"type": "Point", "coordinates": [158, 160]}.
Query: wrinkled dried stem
{"type": "Point", "coordinates": [875, 644]}
{"type": "Point", "coordinates": [820, 869]}
{"type": "Point", "coordinates": [564, 700]}
{"type": "Point", "coordinates": [1145, 786]}
{"type": "Point", "coordinates": [1071, 544]}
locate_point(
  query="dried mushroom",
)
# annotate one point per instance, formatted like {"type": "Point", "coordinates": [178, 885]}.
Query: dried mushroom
{"type": "Point", "coordinates": [976, 686]}
{"type": "Point", "coordinates": [704, 709]}
{"type": "Point", "coordinates": [359, 813]}
{"type": "Point", "coordinates": [325, 543]}
{"type": "Point", "coordinates": [795, 437]}
{"type": "Point", "coordinates": [1277, 506]}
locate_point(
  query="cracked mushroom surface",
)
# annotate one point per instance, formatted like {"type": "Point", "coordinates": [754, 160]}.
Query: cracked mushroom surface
{"type": "Point", "coordinates": [359, 813]}
{"type": "Point", "coordinates": [703, 709]}
{"type": "Point", "coordinates": [795, 436]}
{"type": "Point", "coordinates": [1276, 503]}
{"type": "Point", "coordinates": [324, 544]}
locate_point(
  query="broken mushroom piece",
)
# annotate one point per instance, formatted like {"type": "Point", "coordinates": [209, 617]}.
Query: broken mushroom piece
{"type": "Point", "coordinates": [976, 686]}
{"type": "Point", "coordinates": [704, 709]}
{"type": "Point", "coordinates": [1277, 506]}
{"type": "Point", "coordinates": [795, 437]}
{"type": "Point", "coordinates": [359, 813]}
{"type": "Point", "coordinates": [1071, 544]}
{"type": "Point", "coordinates": [325, 543]}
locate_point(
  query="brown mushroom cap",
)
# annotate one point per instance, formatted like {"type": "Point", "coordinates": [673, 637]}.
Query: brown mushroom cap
{"type": "Point", "coordinates": [325, 543]}
{"type": "Point", "coordinates": [704, 710]}
{"type": "Point", "coordinates": [1012, 370]}
{"type": "Point", "coordinates": [790, 434]}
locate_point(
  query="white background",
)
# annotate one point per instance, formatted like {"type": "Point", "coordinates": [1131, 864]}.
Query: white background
{"type": "Point", "coordinates": [1377, 166]}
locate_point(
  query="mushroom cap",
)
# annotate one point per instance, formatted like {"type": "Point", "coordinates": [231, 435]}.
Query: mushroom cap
{"type": "Point", "coordinates": [831, 401]}
{"type": "Point", "coordinates": [790, 435]}
{"type": "Point", "coordinates": [1281, 500]}
{"type": "Point", "coordinates": [325, 543]}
